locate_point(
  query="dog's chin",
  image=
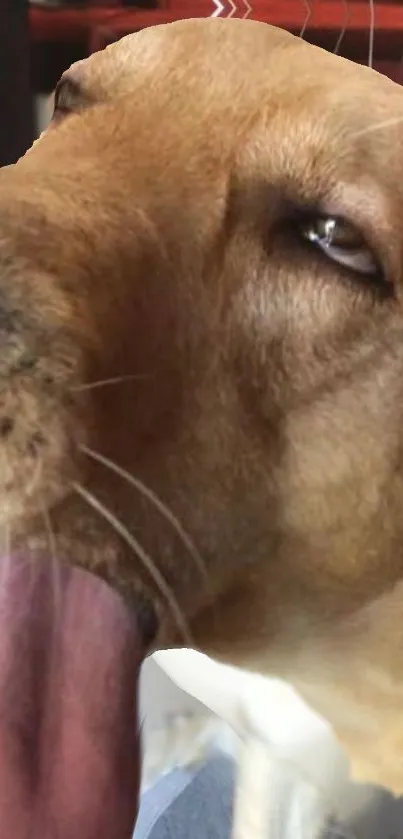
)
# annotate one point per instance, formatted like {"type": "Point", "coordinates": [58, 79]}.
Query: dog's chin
{"type": "Point", "coordinates": [70, 658]}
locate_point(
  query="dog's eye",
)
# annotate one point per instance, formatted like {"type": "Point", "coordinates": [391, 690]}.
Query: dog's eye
{"type": "Point", "coordinates": [340, 241]}
{"type": "Point", "coordinates": [67, 99]}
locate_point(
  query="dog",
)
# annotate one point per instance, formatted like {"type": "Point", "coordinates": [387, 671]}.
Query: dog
{"type": "Point", "coordinates": [202, 403]}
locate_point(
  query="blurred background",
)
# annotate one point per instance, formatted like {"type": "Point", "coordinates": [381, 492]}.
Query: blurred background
{"type": "Point", "coordinates": [41, 38]}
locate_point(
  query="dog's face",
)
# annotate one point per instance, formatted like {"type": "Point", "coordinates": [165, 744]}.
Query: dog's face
{"type": "Point", "coordinates": [202, 264]}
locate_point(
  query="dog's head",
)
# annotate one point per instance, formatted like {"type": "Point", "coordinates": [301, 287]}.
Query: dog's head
{"type": "Point", "coordinates": [202, 356]}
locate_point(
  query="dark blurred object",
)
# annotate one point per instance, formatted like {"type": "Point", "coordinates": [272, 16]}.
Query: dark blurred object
{"type": "Point", "coordinates": [80, 4]}
{"type": "Point", "coordinates": [16, 101]}
{"type": "Point", "coordinates": [52, 4]}
{"type": "Point", "coordinates": [141, 4]}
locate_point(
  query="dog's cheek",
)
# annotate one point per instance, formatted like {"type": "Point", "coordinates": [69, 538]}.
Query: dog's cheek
{"type": "Point", "coordinates": [299, 329]}
{"type": "Point", "coordinates": [319, 376]}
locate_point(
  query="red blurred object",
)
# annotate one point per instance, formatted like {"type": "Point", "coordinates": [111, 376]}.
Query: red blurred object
{"type": "Point", "coordinates": [103, 21]}
{"type": "Point", "coordinates": [327, 14]}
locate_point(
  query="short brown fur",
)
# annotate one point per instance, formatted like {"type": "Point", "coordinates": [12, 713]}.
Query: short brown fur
{"type": "Point", "coordinates": [145, 237]}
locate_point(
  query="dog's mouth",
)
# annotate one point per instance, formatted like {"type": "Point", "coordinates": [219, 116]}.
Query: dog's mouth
{"type": "Point", "coordinates": [70, 658]}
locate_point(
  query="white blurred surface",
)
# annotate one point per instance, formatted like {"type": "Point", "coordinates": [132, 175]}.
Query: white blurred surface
{"type": "Point", "coordinates": [309, 775]}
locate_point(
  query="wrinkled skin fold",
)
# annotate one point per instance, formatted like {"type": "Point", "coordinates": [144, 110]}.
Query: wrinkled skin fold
{"type": "Point", "coordinates": [69, 663]}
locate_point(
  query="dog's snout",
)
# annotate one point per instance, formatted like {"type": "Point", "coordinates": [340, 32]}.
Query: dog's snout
{"type": "Point", "coordinates": [39, 363]}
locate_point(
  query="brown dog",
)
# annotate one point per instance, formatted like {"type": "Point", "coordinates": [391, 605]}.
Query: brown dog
{"type": "Point", "coordinates": [202, 359]}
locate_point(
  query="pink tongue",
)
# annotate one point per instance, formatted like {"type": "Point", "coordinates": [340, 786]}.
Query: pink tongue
{"type": "Point", "coordinates": [70, 656]}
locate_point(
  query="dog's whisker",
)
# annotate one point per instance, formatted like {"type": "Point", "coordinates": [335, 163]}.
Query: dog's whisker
{"type": "Point", "coordinates": [371, 32]}
{"type": "Point", "coordinates": [6, 559]}
{"type": "Point", "coordinates": [115, 380]}
{"type": "Point", "coordinates": [343, 30]}
{"type": "Point", "coordinates": [7, 540]}
{"type": "Point", "coordinates": [34, 478]}
{"type": "Point", "coordinates": [378, 126]}
{"type": "Point", "coordinates": [6, 555]}
{"type": "Point", "coordinates": [308, 16]}
{"type": "Point", "coordinates": [154, 499]}
{"type": "Point", "coordinates": [55, 566]}
{"type": "Point", "coordinates": [145, 559]}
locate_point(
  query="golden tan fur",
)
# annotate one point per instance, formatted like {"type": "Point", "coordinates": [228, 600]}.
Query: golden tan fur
{"type": "Point", "coordinates": [145, 237]}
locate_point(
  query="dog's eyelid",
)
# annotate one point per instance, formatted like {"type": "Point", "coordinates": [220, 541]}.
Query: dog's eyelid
{"type": "Point", "coordinates": [343, 242]}
{"type": "Point", "coordinates": [69, 95]}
